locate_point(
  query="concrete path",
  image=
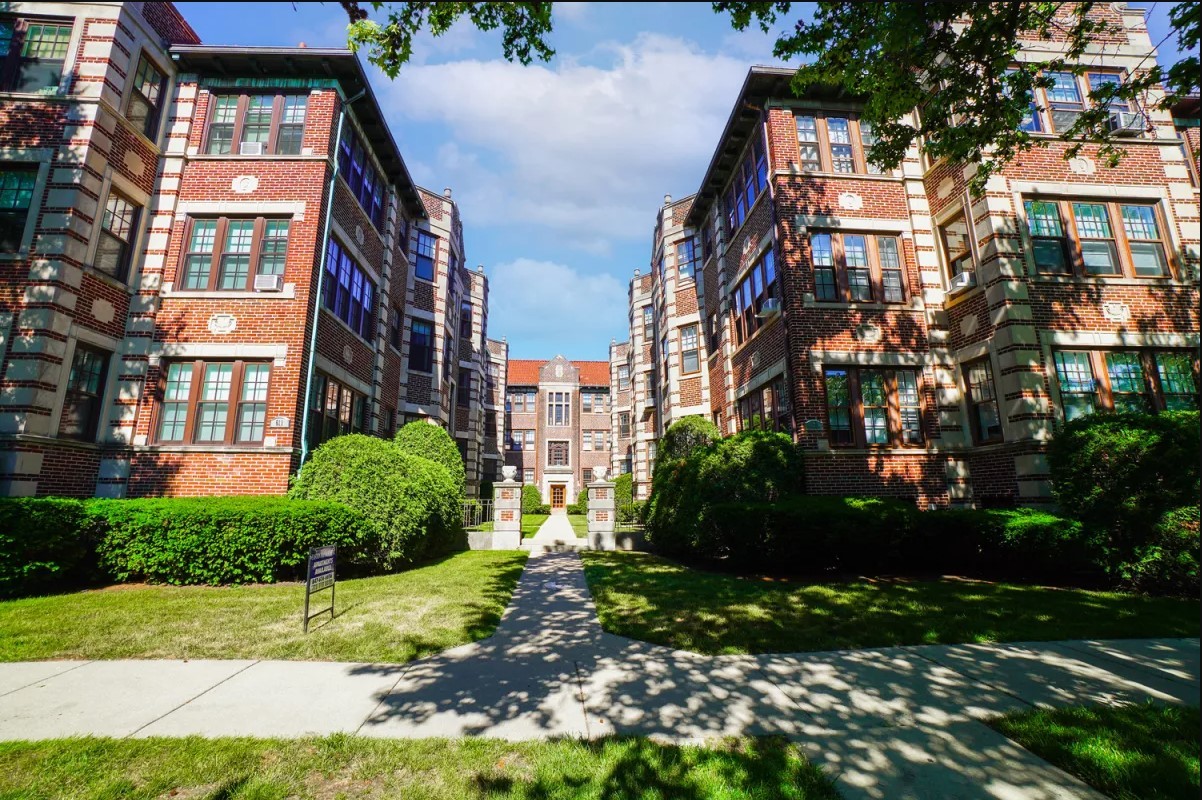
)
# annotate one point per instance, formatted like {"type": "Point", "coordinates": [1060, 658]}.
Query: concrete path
{"type": "Point", "coordinates": [556, 534]}
{"type": "Point", "coordinates": [894, 723]}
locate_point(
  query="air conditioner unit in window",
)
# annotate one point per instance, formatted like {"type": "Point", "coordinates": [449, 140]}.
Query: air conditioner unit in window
{"type": "Point", "coordinates": [269, 283]}
{"type": "Point", "coordinates": [251, 149]}
{"type": "Point", "coordinates": [769, 309]}
{"type": "Point", "coordinates": [1126, 123]}
{"type": "Point", "coordinates": [962, 281]}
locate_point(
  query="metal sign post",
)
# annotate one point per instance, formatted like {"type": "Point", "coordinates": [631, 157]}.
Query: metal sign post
{"type": "Point", "coordinates": [320, 576]}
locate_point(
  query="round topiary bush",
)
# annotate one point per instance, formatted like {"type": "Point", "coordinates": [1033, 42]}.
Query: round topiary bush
{"type": "Point", "coordinates": [532, 499]}
{"type": "Point", "coordinates": [412, 502]}
{"type": "Point", "coordinates": [685, 436]}
{"type": "Point", "coordinates": [434, 443]}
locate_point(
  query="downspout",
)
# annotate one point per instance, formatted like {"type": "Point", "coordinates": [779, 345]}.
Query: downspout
{"type": "Point", "coordinates": [321, 276]}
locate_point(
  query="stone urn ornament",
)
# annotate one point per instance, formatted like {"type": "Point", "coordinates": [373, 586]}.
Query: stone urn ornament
{"type": "Point", "coordinates": [509, 473]}
{"type": "Point", "coordinates": [599, 474]}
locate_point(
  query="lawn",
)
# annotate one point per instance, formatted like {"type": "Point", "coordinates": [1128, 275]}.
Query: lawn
{"type": "Point", "coordinates": [579, 523]}
{"type": "Point", "coordinates": [650, 598]}
{"type": "Point", "coordinates": [391, 618]}
{"type": "Point", "coordinates": [531, 523]}
{"type": "Point", "coordinates": [347, 766]}
{"type": "Point", "coordinates": [1137, 752]}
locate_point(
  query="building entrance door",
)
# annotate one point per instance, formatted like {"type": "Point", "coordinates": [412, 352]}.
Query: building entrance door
{"type": "Point", "coordinates": [558, 493]}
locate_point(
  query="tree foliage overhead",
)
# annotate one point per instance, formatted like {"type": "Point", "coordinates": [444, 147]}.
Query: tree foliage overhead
{"type": "Point", "coordinates": [958, 62]}
{"type": "Point", "coordinates": [389, 44]}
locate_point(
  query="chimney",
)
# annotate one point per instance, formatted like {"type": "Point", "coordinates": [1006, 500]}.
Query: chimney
{"type": "Point", "coordinates": [301, 45]}
{"type": "Point", "coordinates": [447, 193]}
{"type": "Point", "coordinates": [667, 199]}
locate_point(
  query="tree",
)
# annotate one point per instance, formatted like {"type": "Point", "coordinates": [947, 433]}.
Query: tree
{"type": "Point", "coordinates": [956, 62]}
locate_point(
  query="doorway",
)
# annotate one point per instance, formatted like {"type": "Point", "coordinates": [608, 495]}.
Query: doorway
{"type": "Point", "coordinates": [558, 495]}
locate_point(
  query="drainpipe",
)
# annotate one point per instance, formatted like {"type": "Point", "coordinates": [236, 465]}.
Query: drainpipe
{"type": "Point", "coordinates": [321, 276]}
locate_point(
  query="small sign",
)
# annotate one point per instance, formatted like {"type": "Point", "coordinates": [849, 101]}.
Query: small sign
{"type": "Point", "coordinates": [320, 576]}
{"type": "Point", "coordinates": [280, 422]}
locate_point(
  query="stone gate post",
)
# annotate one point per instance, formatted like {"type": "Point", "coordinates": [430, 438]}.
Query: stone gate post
{"type": "Point", "coordinates": [507, 512]}
{"type": "Point", "coordinates": [602, 513]}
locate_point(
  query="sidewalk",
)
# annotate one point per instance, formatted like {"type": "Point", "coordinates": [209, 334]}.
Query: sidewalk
{"type": "Point", "coordinates": [892, 723]}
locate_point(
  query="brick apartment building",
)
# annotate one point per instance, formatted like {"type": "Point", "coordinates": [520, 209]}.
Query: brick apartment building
{"type": "Point", "coordinates": [213, 259]}
{"type": "Point", "coordinates": [621, 413]}
{"type": "Point", "coordinates": [557, 424]}
{"type": "Point", "coordinates": [496, 378]}
{"type": "Point", "coordinates": [923, 343]}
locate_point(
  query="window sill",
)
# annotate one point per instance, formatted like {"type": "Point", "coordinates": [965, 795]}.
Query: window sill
{"type": "Point", "coordinates": [858, 176]}
{"type": "Point", "coordinates": [888, 450]}
{"type": "Point", "coordinates": [197, 156]}
{"type": "Point", "coordinates": [55, 96]}
{"type": "Point", "coordinates": [916, 304]}
{"type": "Point", "coordinates": [116, 283]}
{"type": "Point", "coordinates": [952, 300]}
{"type": "Point", "coordinates": [173, 447]}
{"type": "Point", "coordinates": [20, 255]}
{"type": "Point", "coordinates": [1117, 280]}
{"type": "Point", "coordinates": [168, 291]}
{"type": "Point", "coordinates": [766, 326]}
{"type": "Point", "coordinates": [335, 318]}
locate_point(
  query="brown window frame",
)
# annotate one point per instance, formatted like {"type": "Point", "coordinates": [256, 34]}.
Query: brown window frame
{"type": "Point", "coordinates": [1103, 388]}
{"type": "Point", "coordinates": [765, 408]}
{"type": "Point", "coordinates": [335, 409]}
{"type": "Point", "coordinates": [977, 400]}
{"type": "Point", "coordinates": [154, 107]}
{"type": "Point", "coordinates": [556, 448]}
{"type": "Point", "coordinates": [78, 397]}
{"type": "Point", "coordinates": [111, 238]}
{"type": "Point", "coordinates": [1125, 263]}
{"type": "Point", "coordinates": [858, 433]}
{"type": "Point", "coordinates": [826, 160]}
{"type": "Point", "coordinates": [746, 305]}
{"type": "Point", "coordinates": [233, 402]}
{"type": "Point", "coordinates": [239, 124]}
{"type": "Point", "coordinates": [686, 350]}
{"type": "Point", "coordinates": [219, 237]}
{"type": "Point", "coordinates": [962, 260]}
{"type": "Point", "coordinates": [1043, 104]}
{"type": "Point", "coordinates": [12, 61]}
{"type": "Point", "coordinates": [876, 272]}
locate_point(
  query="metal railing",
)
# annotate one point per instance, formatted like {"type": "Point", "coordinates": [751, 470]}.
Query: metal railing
{"type": "Point", "coordinates": [477, 514]}
{"type": "Point", "coordinates": [629, 517]}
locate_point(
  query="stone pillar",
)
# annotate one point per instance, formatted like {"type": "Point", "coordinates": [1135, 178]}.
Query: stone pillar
{"type": "Point", "coordinates": [602, 514]}
{"type": "Point", "coordinates": [507, 512]}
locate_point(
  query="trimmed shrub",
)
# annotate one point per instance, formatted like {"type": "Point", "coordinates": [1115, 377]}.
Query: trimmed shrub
{"type": "Point", "coordinates": [685, 436]}
{"type": "Point", "coordinates": [532, 500]}
{"type": "Point", "coordinates": [434, 443]}
{"type": "Point", "coordinates": [44, 545]}
{"type": "Point", "coordinates": [1167, 562]}
{"type": "Point", "coordinates": [413, 503]}
{"type": "Point", "coordinates": [581, 504]}
{"type": "Point", "coordinates": [486, 490]}
{"type": "Point", "coordinates": [624, 498]}
{"type": "Point", "coordinates": [221, 540]}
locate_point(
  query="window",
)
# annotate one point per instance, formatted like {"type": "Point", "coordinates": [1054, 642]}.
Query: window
{"type": "Point", "coordinates": [592, 402]}
{"type": "Point", "coordinates": [145, 109]}
{"type": "Point", "coordinates": [955, 238]}
{"type": "Point", "coordinates": [463, 391]}
{"type": "Point", "coordinates": [747, 300]}
{"type": "Point", "coordinates": [85, 393]}
{"type": "Point", "coordinates": [834, 143]}
{"type": "Point", "coordinates": [16, 195]}
{"type": "Point", "coordinates": [624, 425]}
{"type": "Point", "coordinates": [223, 402]}
{"type": "Point", "coordinates": [983, 414]}
{"type": "Point", "coordinates": [559, 412]}
{"type": "Point", "coordinates": [867, 140]}
{"type": "Point", "coordinates": [248, 247]}
{"type": "Point", "coordinates": [623, 377]}
{"type": "Point", "coordinates": [765, 408]}
{"type": "Point", "coordinates": [528, 476]}
{"type": "Point", "coordinates": [587, 475]}
{"type": "Point", "coordinates": [593, 440]}
{"type": "Point", "coordinates": [1064, 100]}
{"type": "Point", "coordinates": [32, 53]}
{"type": "Point", "coordinates": [873, 407]}
{"type": "Point", "coordinates": [520, 439]}
{"type": "Point", "coordinates": [807, 139]}
{"type": "Point", "coordinates": [1031, 121]}
{"type": "Point", "coordinates": [349, 293]}
{"type": "Point", "coordinates": [1097, 239]}
{"type": "Point", "coordinates": [394, 327]}
{"type": "Point", "coordinates": [257, 124]}
{"type": "Point", "coordinates": [490, 423]}
{"type": "Point", "coordinates": [648, 322]}
{"type": "Point", "coordinates": [427, 249]}
{"type": "Point", "coordinates": [715, 334]}
{"type": "Point", "coordinates": [557, 454]}
{"type": "Point", "coordinates": [853, 267]}
{"type": "Point", "coordinates": [355, 167]}
{"type": "Point", "coordinates": [690, 362]}
{"type": "Point", "coordinates": [117, 228]}
{"type": "Point", "coordinates": [465, 320]}
{"type": "Point", "coordinates": [687, 257]}
{"type": "Point", "coordinates": [749, 180]}
{"type": "Point", "coordinates": [521, 402]}
{"type": "Point", "coordinates": [334, 409]}
{"type": "Point", "coordinates": [421, 346]}
{"type": "Point", "coordinates": [1140, 380]}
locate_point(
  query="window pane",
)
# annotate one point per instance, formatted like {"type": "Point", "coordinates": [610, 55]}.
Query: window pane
{"type": "Point", "coordinates": [855, 251]}
{"type": "Point", "coordinates": [196, 268]}
{"type": "Point", "coordinates": [909, 407]}
{"type": "Point", "coordinates": [1043, 218]}
{"type": "Point", "coordinates": [1126, 382]}
{"type": "Point", "coordinates": [1092, 220]}
{"type": "Point", "coordinates": [840, 132]}
{"type": "Point", "coordinates": [1064, 88]}
{"type": "Point", "coordinates": [1177, 381]}
{"type": "Point", "coordinates": [46, 40]}
{"type": "Point", "coordinates": [221, 127]}
{"type": "Point", "coordinates": [210, 421]}
{"type": "Point", "coordinates": [1049, 256]}
{"type": "Point", "coordinates": [235, 261]}
{"type": "Point", "coordinates": [838, 406]}
{"type": "Point", "coordinates": [274, 247]}
{"type": "Point", "coordinates": [874, 401]}
{"type": "Point", "coordinates": [257, 125]}
{"type": "Point", "coordinates": [1077, 387]}
{"type": "Point", "coordinates": [1101, 258]}
{"type": "Point", "coordinates": [251, 420]}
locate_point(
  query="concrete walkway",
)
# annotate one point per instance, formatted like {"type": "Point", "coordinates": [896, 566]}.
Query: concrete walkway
{"type": "Point", "coordinates": [896, 723]}
{"type": "Point", "coordinates": [556, 534]}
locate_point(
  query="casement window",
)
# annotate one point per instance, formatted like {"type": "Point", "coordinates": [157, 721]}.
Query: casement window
{"type": "Point", "coordinates": [624, 425]}
{"type": "Point", "coordinates": [834, 142]}
{"type": "Point", "coordinates": [465, 320]}
{"type": "Point", "coordinates": [32, 54]}
{"type": "Point", "coordinates": [528, 476]}
{"type": "Point", "coordinates": [85, 393]}
{"type": "Point", "coordinates": [687, 257]}
{"type": "Point", "coordinates": [623, 378]}
{"type": "Point", "coordinates": [355, 167]}
{"type": "Point", "coordinates": [956, 240]}
{"type": "Point", "coordinates": [118, 225]}
{"type": "Point", "coordinates": [1097, 239]}
{"type": "Point", "coordinates": [690, 360]}
{"type": "Point", "coordinates": [225, 254]}
{"type": "Point", "coordinates": [1136, 381]}
{"type": "Point", "coordinates": [857, 268]}
{"type": "Point", "coordinates": [463, 391]}
{"type": "Point", "coordinates": [421, 346]}
{"type": "Point", "coordinates": [765, 408]}
{"type": "Point", "coordinates": [349, 293]}
{"type": "Point", "coordinates": [394, 327]}
{"type": "Point", "coordinates": [559, 409]}
{"type": "Point", "coordinates": [1069, 95]}
{"type": "Point", "coordinates": [145, 107]}
{"type": "Point", "coordinates": [648, 322]}
{"type": "Point", "coordinates": [256, 124]}
{"type": "Point", "coordinates": [873, 407]}
{"type": "Point", "coordinates": [427, 251]}
{"type": "Point", "coordinates": [334, 410]}
{"type": "Point", "coordinates": [749, 180]}
{"type": "Point", "coordinates": [214, 402]}
{"type": "Point", "coordinates": [748, 297]}
{"type": "Point", "coordinates": [986, 421]}
{"type": "Point", "coordinates": [557, 454]}
{"type": "Point", "coordinates": [17, 182]}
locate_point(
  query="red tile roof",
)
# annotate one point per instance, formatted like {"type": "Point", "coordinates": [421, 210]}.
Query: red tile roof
{"type": "Point", "coordinates": [524, 372]}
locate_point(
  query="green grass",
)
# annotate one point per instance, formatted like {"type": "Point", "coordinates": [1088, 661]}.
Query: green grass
{"type": "Point", "coordinates": [1137, 752]}
{"type": "Point", "coordinates": [579, 523]}
{"type": "Point", "coordinates": [531, 523]}
{"type": "Point", "coordinates": [657, 600]}
{"type": "Point", "coordinates": [346, 766]}
{"type": "Point", "coordinates": [391, 618]}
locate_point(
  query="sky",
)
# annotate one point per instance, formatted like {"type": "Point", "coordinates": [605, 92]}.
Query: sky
{"type": "Point", "coordinates": [560, 167]}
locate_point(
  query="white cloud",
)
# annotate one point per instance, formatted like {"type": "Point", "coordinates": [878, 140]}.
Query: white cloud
{"type": "Point", "coordinates": [551, 308]}
{"type": "Point", "coordinates": [574, 13]}
{"type": "Point", "coordinates": [583, 150]}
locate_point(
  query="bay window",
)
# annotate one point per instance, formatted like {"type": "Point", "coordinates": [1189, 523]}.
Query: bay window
{"type": "Point", "coordinates": [749, 180]}
{"type": "Point", "coordinates": [349, 293]}
{"type": "Point", "coordinates": [335, 409]}
{"type": "Point", "coordinates": [748, 297]}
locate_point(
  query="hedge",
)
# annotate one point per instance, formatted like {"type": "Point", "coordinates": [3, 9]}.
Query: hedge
{"type": "Point", "coordinates": [624, 497]}
{"type": "Point", "coordinates": [412, 502]}
{"type": "Point", "coordinates": [581, 504]}
{"type": "Point", "coordinates": [222, 540]}
{"type": "Point", "coordinates": [45, 545]}
{"type": "Point", "coordinates": [685, 436]}
{"type": "Point", "coordinates": [1167, 561]}
{"type": "Point", "coordinates": [432, 442]}
{"type": "Point", "coordinates": [532, 500]}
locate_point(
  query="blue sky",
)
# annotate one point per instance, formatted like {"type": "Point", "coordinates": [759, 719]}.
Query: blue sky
{"type": "Point", "coordinates": [559, 167]}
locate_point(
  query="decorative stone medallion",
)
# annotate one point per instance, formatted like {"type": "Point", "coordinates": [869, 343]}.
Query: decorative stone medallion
{"type": "Point", "coordinates": [968, 325]}
{"type": "Point", "coordinates": [868, 332]}
{"type": "Point", "coordinates": [359, 237]}
{"type": "Point", "coordinates": [102, 310]}
{"type": "Point", "coordinates": [559, 370]}
{"type": "Point", "coordinates": [347, 355]}
{"type": "Point", "coordinates": [1114, 311]}
{"type": "Point", "coordinates": [1082, 165]}
{"type": "Point", "coordinates": [945, 187]}
{"type": "Point", "coordinates": [850, 201]}
{"type": "Point", "coordinates": [244, 184]}
{"type": "Point", "coordinates": [223, 323]}
{"type": "Point", "coordinates": [134, 163]}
